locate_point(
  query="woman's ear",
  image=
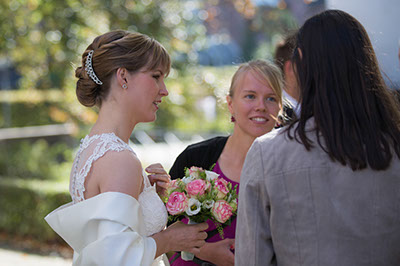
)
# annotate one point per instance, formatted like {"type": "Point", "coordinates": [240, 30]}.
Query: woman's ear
{"type": "Point", "coordinates": [288, 67]}
{"type": "Point", "coordinates": [230, 104]}
{"type": "Point", "coordinates": [122, 74]}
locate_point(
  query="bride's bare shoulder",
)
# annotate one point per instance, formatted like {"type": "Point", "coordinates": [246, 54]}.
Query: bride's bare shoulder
{"type": "Point", "coordinates": [119, 172]}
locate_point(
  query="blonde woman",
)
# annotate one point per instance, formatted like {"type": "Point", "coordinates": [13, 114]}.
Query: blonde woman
{"type": "Point", "coordinates": [254, 101]}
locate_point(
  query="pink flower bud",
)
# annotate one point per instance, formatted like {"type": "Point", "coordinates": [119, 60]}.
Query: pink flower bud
{"type": "Point", "coordinates": [221, 211]}
{"type": "Point", "coordinates": [222, 187]}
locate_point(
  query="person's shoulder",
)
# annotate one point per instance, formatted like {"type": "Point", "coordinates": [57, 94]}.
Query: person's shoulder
{"type": "Point", "coordinates": [120, 171]}
{"type": "Point", "coordinates": [117, 159]}
{"type": "Point", "coordinates": [205, 144]}
{"type": "Point", "coordinates": [276, 143]}
{"type": "Point", "coordinates": [272, 136]}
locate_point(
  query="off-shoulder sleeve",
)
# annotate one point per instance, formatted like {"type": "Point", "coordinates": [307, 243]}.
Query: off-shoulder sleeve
{"type": "Point", "coordinates": [105, 230]}
{"type": "Point", "coordinates": [125, 248]}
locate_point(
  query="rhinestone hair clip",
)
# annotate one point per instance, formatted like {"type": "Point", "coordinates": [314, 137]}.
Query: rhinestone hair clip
{"type": "Point", "coordinates": [89, 68]}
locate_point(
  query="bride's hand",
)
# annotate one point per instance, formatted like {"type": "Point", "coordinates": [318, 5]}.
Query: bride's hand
{"type": "Point", "coordinates": [187, 237]}
{"type": "Point", "coordinates": [181, 237]}
{"type": "Point", "coordinates": [158, 175]}
{"type": "Point", "coordinates": [219, 253]}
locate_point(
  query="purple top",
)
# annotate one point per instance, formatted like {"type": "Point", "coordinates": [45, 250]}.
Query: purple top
{"type": "Point", "coordinates": [229, 231]}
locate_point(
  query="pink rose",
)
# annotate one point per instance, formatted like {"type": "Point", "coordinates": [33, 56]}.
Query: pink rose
{"type": "Point", "coordinates": [222, 187]}
{"type": "Point", "coordinates": [196, 187]}
{"type": "Point", "coordinates": [221, 211]}
{"type": "Point", "coordinates": [177, 203]}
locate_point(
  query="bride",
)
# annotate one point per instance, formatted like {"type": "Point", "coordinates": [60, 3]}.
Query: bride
{"type": "Point", "coordinates": [116, 217]}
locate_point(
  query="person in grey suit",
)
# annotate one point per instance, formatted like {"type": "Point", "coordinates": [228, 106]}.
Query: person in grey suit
{"type": "Point", "coordinates": [326, 189]}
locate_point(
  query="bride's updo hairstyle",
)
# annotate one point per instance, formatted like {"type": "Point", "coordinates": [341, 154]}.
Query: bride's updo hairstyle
{"type": "Point", "coordinates": [113, 50]}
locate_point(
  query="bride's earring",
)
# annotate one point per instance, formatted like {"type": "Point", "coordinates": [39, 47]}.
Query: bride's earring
{"type": "Point", "coordinates": [124, 86]}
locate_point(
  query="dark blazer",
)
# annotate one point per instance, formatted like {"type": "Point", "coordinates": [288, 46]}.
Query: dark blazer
{"type": "Point", "coordinates": [203, 154]}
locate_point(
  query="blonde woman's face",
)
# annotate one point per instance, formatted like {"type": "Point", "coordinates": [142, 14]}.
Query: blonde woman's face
{"type": "Point", "coordinates": [254, 105]}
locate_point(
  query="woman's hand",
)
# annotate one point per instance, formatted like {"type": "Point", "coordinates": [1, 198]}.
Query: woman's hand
{"type": "Point", "coordinates": [158, 175]}
{"type": "Point", "coordinates": [181, 237]}
{"type": "Point", "coordinates": [219, 253]}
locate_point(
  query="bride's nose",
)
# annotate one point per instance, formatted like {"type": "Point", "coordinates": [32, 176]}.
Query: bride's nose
{"type": "Point", "coordinates": [163, 90]}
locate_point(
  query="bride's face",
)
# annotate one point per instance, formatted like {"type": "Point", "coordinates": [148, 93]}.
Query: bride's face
{"type": "Point", "coordinates": [254, 105]}
{"type": "Point", "coordinates": [145, 91]}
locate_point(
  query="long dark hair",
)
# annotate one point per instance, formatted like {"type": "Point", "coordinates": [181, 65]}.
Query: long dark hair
{"type": "Point", "coordinates": [343, 90]}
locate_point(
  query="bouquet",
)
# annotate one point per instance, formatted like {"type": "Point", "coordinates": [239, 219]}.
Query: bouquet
{"type": "Point", "coordinates": [201, 195]}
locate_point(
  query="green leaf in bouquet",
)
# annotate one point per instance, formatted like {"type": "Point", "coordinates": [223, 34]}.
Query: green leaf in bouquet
{"type": "Point", "coordinates": [203, 175]}
{"type": "Point", "coordinates": [181, 187]}
{"type": "Point", "coordinates": [187, 173]}
{"type": "Point", "coordinates": [174, 218]}
{"type": "Point", "coordinates": [212, 166]}
{"type": "Point", "coordinates": [220, 227]}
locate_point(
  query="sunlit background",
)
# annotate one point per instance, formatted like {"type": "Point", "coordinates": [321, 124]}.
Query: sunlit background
{"type": "Point", "coordinates": [41, 122]}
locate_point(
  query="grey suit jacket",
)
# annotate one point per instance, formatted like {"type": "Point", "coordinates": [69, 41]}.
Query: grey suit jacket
{"type": "Point", "coordinates": [297, 207]}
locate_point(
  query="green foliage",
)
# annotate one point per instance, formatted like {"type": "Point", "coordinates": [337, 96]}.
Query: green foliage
{"type": "Point", "coordinates": [42, 37]}
{"type": "Point", "coordinates": [272, 21]}
{"type": "Point", "coordinates": [183, 111]}
{"type": "Point", "coordinates": [180, 111]}
{"type": "Point", "coordinates": [44, 41]}
{"type": "Point", "coordinates": [24, 205]}
{"type": "Point", "coordinates": [38, 159]}
{"type": "Point", "coordinates": [28, 114]}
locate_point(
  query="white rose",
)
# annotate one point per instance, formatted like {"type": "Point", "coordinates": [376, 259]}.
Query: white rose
{"type": "Point", "coordinates": [211, 175]}
{"type": "Point", "coordinates": [208, 204]}
{"type": "Point", "coordinates": [194, 207]}
{"type": "Point", "coordinates": [187, 179]}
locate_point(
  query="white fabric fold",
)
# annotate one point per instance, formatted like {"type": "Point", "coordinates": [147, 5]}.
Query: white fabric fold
{"type": "Point", "coordinates": [107, 229]}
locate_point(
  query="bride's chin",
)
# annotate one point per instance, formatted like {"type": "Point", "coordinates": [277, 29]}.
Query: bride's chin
{"type": "Point", "coordinates": [151, 119]}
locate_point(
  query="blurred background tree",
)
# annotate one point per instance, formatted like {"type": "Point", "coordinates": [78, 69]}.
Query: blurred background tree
{"type": "Point", "coordinates": [42, 37]}
{"type": "Point", "coordinates": [43, 40]}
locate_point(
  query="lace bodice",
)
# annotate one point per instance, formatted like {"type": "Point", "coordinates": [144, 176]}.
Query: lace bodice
{"type": "Point", "coordinates": [94, 147]}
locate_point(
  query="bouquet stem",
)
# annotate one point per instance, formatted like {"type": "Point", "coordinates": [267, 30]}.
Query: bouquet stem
{"type": "Point", "coordinates": [187, 256]}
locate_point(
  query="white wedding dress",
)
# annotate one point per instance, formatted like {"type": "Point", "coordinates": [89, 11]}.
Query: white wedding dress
{"type": "Point", "coordinates": [111, 228]}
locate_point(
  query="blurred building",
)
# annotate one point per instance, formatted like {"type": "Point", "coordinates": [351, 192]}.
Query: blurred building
{"type": "Point", "coordinates": [231, 35]}
{"type": "Point", "coordinates": [381, 20]}
{"type": "Point", "coordinates": [226, 29]}
{"type": "Point", "coordinates": [302, 10]}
